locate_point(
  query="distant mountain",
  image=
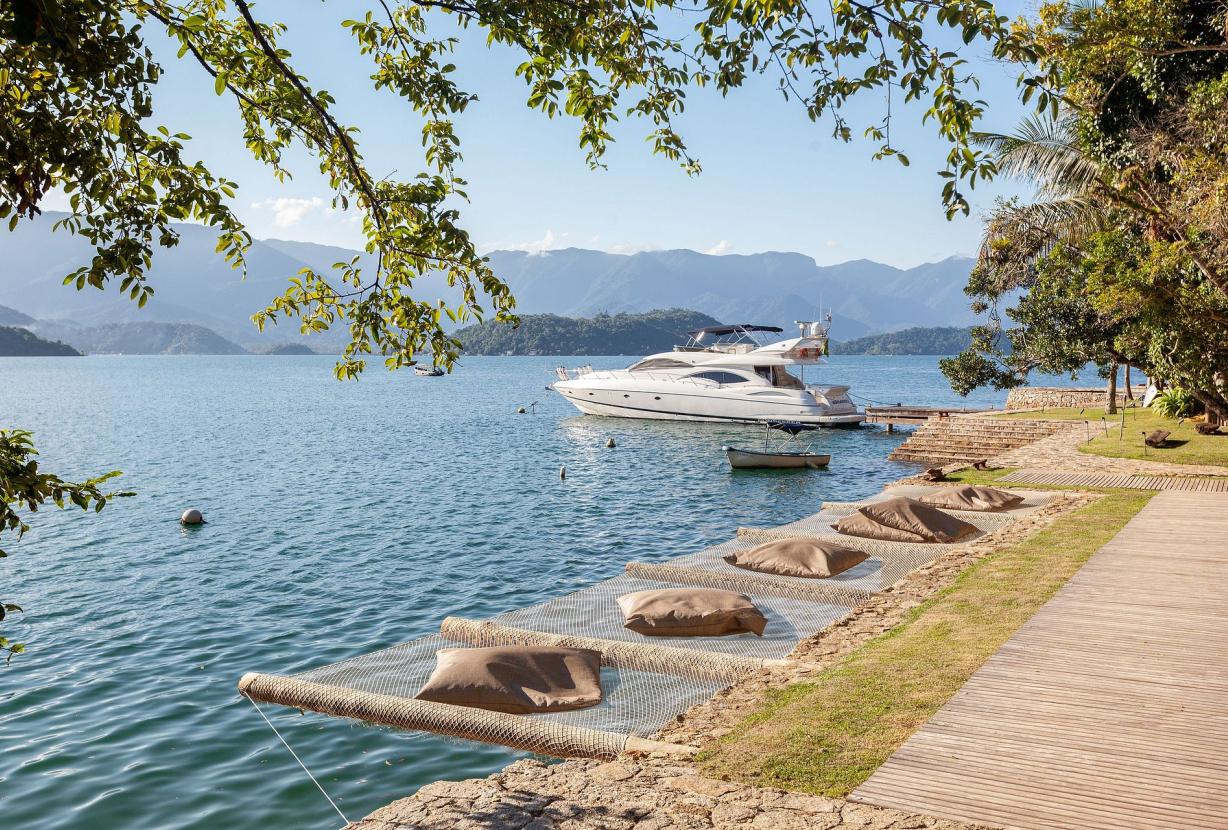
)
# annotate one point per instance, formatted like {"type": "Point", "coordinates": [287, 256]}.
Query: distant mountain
{"type": "Point", "coordinates": [944, 340]}
{"type": "Point", "coordinates": [19, 342]}
{"type": "Point", "coordinates": [141, 338]}
{"type": "Point", "coordinates": [193, 284]}
{"type": "Point", "coordinates": [547, 334]}
{"type": "Point", "coordinates": [13, 317]}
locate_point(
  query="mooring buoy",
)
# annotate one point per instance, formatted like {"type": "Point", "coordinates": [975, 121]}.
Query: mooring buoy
{"type": "Point", "coordinates": [192, 516]}
{"type": "Point", "coordinates": [610, 443]}
{"type": "Point", "coordinates": [562, 472]}
{"type": "Point", "coordinates": [520, 410]}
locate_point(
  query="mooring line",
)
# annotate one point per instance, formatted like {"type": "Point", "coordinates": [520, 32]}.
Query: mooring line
{"type": "Point", "coordinates": [300, 760]}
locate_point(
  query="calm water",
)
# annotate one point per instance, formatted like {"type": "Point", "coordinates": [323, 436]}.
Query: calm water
{"type": "Point", "coordinates": [342, 518]}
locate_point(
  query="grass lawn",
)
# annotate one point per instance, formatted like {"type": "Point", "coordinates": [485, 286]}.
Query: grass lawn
{"type": "Point", "coordinates": [1188, 447]}
{"type": "Point", "coordinates": [829, 735]}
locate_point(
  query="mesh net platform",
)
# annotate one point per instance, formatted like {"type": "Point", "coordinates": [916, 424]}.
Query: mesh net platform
{"type": "Point", "coordinates": [646, 681]}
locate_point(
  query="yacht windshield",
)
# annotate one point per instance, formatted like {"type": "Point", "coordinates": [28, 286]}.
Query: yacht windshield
{"type": "Point", "coordinates": [659, 363]}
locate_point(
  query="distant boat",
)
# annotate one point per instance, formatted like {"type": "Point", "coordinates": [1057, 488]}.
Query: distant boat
{"type": "Point", "coordinates": [428, 371]}
{"type": "Point", "coordinates": [780, 458]}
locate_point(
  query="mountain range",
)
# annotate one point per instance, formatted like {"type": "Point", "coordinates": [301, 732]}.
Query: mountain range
{"type": "Point", "coordinates": [194, 285]}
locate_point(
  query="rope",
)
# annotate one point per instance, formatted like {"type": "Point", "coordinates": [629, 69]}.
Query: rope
{"type": "Point", "coordinates": [871, 400]}
{"type": "Point", "coordinates": [284, 743]}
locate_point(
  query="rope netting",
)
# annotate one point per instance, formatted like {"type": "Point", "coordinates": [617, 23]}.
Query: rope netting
{"type": "Point", "coordinates": [646, 681]}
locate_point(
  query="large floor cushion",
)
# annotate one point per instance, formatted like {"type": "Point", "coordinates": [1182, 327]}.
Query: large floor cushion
{"type": "Point", "coordinates": [806, 558]}
{"type": "Point", "coordinates": [690, 612]}
{"type": "Point", "coordinates": [971, 497]}
{"type": "Point", "coordinates": [519, 680]}
{"type": "Point", "coordinates": [904, 520]}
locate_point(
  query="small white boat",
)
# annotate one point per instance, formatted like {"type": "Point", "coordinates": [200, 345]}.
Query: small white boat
{"type": "Point", "coordinates": [428, 371]}
{"type": "Point", "coordinates": [753, 459]}
{"type": "Point", "coordinates": [780, 458]}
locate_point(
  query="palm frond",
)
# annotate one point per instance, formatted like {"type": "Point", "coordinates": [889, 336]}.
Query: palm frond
{"type": "Point", "coordinates": [1043, 151]}
{"type": "Point", "coordinates": [1047, 223]}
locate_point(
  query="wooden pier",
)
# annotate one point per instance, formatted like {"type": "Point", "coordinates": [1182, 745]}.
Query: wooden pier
{"type": "Point", "coordinates": [900, 415]}
{"type": "Point", "coordinates": [1106, 710]}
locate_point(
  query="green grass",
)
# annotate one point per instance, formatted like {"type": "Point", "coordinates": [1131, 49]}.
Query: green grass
{"type": "Point", "coordinates": [1109, 438]}
{"type": "Point", "coordinates": [827, 736]}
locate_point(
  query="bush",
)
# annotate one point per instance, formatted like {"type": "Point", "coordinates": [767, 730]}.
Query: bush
{"type": "Point", "coordinates": [1174, 403]}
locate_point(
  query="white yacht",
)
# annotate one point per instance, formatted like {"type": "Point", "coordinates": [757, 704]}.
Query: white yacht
{"type": "Point", "coordinates": [724, 373]}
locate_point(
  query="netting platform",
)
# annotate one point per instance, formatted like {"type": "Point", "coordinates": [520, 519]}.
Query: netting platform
{"type": "Point", "coordinates": [888, 562]}
{"type": "Point", "coordinates": [819, 526]}
{"type": "Point", "coordinates": [647, 681]}
{"type": "Point", "coordinates": [1033, 500]}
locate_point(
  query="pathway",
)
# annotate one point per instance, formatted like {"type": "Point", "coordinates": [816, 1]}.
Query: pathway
{"type": "Point", "coordinates": [1129, 482]}
{"type": "Point", "coordinates": [1105, 710]}
{"type": "Point", "coordinates": [1060, 451]}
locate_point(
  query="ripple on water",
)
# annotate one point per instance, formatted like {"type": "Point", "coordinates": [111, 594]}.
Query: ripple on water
{"type": "Point", "coordinates": [342, 518]}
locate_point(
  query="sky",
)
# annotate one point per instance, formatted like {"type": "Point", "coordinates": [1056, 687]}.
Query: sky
{"type": "Point", "coordinates": [772, 180]}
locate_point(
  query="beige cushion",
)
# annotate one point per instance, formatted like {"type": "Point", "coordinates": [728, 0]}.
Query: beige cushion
{"type": "Point", "coordinates": [519, 680]}
{"type": "Point", "coordinates": [690, 612]}
{"type": "Point", "coordinates": [971, 497]}
{"type": "Point", "coordinates": [904, 520]}
{"type": "Point", "coordinates": [807, 558]}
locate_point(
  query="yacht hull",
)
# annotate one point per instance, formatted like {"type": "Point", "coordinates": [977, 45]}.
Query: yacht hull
{"type": "Point", "coordinates": [665, 404]}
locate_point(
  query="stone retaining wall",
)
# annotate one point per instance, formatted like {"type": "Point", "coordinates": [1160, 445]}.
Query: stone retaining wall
{"type": "Point", "coordinates": [1052, 397]}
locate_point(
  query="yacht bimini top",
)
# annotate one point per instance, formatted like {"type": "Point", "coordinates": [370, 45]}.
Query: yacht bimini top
{"type": "Point", "coordinates": [733, 339]}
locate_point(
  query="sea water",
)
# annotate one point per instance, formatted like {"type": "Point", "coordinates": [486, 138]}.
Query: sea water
{"type": "Point", "coordinates": [342, 518]}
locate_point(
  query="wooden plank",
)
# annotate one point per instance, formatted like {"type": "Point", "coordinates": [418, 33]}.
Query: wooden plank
{"type": "Point", "coordinates": [1105, 711]}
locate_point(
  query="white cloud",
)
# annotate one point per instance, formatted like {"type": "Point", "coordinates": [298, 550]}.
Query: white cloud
{"type": "Point", "coordinates": [831, 243]}
{"type": "Point", "coordinates": [289, 211]}
{"type": "Point", "coordinates": [720, 248]}
{"type": "Point", "coordinates": [549, 242]}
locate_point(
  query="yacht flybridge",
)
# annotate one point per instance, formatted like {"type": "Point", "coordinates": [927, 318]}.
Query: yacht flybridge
{"type": "Point", "coordinates": [723, 373]}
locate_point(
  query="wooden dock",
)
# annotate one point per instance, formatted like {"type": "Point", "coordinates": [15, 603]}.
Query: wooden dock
{"type": "Point", "coordinates": [900, 415]}
{"type": "Point", "coordinates": [1106, 711]}
{"type": "Point", "coordinates": [1130, 482]}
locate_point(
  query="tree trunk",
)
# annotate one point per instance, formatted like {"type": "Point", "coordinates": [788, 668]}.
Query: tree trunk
{"type": "Point", "coordinates": [1129, 391]}
{"type": "Point", "coordinates": [1110, 403]}
{"type": "Point", "coordinates": [1216, 406]}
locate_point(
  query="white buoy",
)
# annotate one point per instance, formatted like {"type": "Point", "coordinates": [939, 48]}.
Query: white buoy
{"type": "Point", "coordinates": [562, 472]}
{"type": "Point", "coordinates": [610, 443]}
{"type": "Point", "coordinates": [520, 410]}
{"type": "Point", "coordinates": [192, 516]}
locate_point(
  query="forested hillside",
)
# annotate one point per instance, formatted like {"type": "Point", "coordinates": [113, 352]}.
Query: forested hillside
{"type": "Point", "coordinates": [942, 340]}
{"type": "Point", "coordinates": [629, 334]}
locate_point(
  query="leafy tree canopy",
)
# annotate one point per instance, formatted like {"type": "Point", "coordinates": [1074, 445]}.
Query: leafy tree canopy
{"type": "Point", "coordinates": [1123, 255]}
{"type": "Point", "coordinates": [78, 115]}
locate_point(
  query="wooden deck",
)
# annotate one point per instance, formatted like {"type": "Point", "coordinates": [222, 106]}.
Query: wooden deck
{"type": "Point", "coordinates": [1106, 711]}
{"type": "Point", "coordinates": [902, 415]}
{"type": "Point", "coordinates": [1131, 482]}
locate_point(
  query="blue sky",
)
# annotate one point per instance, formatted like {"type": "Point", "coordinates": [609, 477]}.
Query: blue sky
{"type": "Point", "coordinates": [772, 179]}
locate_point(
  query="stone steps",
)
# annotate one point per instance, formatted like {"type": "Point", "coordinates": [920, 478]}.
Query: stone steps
{"type": "Point", "coordinates": [950, 440]}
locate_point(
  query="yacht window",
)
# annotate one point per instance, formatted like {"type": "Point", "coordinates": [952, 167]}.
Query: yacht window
{"type": "Point", "coordinates": [764, 372]}
{"type": "Point", "coordinates": [719, 377]}
{"type": "Point", "coordinates": [783, 379]}
{"type": "Point", "coordinates": [659, 363]}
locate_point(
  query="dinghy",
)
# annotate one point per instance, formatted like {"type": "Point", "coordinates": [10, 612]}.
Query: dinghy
{"type": "Point", "coordinates": [780, 458]}
{"type": "Point", "coordinates": [428, 371]}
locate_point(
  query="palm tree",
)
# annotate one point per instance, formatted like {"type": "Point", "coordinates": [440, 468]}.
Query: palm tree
{"type": "Point", "coordinates": [1073, 197]}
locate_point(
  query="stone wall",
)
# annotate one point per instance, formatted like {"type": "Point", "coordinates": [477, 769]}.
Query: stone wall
{"type": "Point", "coordinates": [1051, 397]}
